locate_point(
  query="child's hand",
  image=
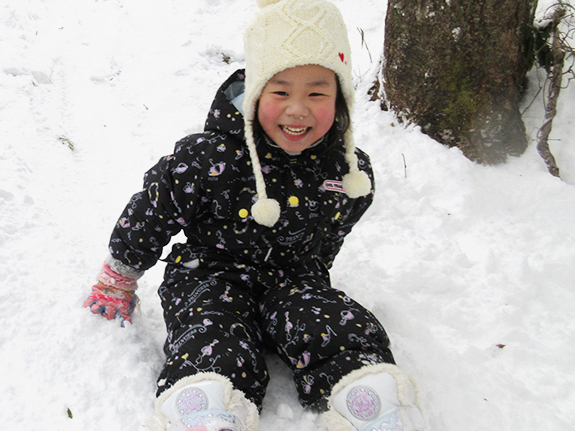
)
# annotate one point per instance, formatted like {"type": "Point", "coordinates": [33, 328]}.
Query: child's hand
{"type": "Point", "coordinates": [111, 302]}
{"type": "Point", "coordinates": [113, 296]}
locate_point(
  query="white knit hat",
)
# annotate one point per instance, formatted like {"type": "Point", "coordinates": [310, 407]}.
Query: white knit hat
{"type": "Point", "coordinates": [286, 34]}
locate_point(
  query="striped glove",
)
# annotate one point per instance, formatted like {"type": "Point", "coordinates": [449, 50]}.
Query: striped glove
{"type": "Point", "coordinates": [113, 296]}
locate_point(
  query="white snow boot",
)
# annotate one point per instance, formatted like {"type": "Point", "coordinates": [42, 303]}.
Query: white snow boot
{"type": "Point", "coordinates": [204, 402]}
{"type": "Point", "coordinates": [374, 398]}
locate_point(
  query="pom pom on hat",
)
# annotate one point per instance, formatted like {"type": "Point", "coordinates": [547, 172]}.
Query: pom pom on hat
{"type": "Point", "coordinates": [266, 212]}
{"type": "Point", "coordinates": [264, 3]}
{"type": "Point", "coordinates": [356, 184]}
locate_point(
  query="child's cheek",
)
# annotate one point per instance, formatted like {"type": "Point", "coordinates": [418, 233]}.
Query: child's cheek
{"type": "Point", "coordinates": [325, 117]}
{"type": "Point", "coordinates": [267, 112]}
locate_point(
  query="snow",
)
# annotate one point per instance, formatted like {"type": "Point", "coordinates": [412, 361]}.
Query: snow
{"type": "Point", "coordinates": [470, 268]}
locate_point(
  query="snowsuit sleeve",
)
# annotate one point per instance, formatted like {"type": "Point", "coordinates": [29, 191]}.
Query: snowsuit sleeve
{"type": "Point", "coordinates": [341, 227]}
{"type": "Point", "coordinates": [167, 203]}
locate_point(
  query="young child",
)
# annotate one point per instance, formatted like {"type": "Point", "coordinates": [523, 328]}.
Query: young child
{"type": "Point", "coordinates": [265, 195]}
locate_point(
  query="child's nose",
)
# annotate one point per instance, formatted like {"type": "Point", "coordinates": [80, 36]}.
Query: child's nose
{"type": "Point", "coordinates": [297, 109]}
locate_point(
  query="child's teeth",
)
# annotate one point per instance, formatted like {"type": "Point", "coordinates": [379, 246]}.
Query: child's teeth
{"type": "Point", "coordinates": [291, 131]}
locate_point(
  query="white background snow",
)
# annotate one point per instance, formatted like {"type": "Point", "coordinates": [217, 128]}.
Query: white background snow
{"type": "Point", "coordinates": [470, 268]}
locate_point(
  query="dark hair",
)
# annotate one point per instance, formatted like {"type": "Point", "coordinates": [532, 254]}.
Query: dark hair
{"type": "Point", "coordinates": [342, 121]}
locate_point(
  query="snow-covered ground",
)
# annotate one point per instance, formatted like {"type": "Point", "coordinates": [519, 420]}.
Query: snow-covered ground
{"type": "Point", "coordinates": [470, 268]}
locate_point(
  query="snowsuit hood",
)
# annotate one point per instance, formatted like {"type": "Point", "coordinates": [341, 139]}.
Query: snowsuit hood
{"type": "Point", "coordinates": [224, 116]}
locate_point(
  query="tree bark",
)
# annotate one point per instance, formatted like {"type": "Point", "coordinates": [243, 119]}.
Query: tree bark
{"type": "Point", "coordinates": [457, 67]}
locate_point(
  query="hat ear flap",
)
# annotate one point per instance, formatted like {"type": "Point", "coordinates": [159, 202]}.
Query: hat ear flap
{"type": "Point", "coordinates": [265, 211]}
{"type": "Point", "coordinates": [356, 183]}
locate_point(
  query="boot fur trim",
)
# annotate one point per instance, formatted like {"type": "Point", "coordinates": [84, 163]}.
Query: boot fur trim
{"type": "Point", "coordinates": [407, 393]}
{"type": "Point", "coordinates": [234, 400]}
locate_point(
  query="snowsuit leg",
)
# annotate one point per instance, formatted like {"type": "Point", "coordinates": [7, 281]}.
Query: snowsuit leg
{"type": "Point", "coordinates": [210, 318]}
{"type": "Point", "coordinates": [322, 334]}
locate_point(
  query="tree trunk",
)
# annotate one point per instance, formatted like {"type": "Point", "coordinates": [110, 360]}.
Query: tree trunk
{"type": "Point", "coordinates": [457, 67]}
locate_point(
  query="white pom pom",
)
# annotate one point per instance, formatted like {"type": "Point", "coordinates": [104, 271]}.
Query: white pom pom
{"type": "Point", "coordinates": [264, 3]}
{"type": "Point", "coordinates": [356, 184]}
{"type": "Point", "coordinates": [266, 212]}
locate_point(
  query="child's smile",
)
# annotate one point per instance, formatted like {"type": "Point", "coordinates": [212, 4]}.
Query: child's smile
{"type": "Point", "coordinates": [297, 106]}
{"type": "Point", "coordinates": [295, 131]}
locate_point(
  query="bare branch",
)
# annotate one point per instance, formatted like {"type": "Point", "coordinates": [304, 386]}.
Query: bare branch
{"type": "Point", "coordinates": [558, 49]}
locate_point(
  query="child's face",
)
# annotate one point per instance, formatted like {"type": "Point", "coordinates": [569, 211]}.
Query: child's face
{"type": "Point", "coordinates": [297, 106]}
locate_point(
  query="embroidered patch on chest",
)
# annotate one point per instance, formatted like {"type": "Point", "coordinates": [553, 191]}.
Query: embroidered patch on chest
{"type": "Point", "coordinates": [333, 186]}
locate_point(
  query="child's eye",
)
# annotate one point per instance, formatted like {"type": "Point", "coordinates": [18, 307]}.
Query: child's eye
{"type": "Point", "coordinates": [316, 95]}
{"type": "Point", "coordinates": [281, 93]}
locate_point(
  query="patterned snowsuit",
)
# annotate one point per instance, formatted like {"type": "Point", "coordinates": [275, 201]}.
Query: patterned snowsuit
{"type": "Point", "coordinates": [235, 287]}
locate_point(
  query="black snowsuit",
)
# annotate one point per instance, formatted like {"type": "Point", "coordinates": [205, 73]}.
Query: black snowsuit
{"type": "Point", "coordinates": [237, 287]}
